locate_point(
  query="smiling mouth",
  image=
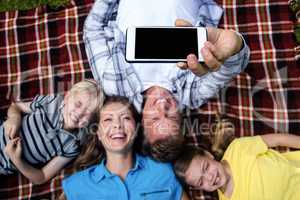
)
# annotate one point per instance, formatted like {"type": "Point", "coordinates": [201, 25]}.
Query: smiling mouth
{"type": "Point", "coordinates": [118, 136]}
{"type": "Point", "coordinates": [214, 180]}
{"type": "Point", "coordinates": [217, 179]}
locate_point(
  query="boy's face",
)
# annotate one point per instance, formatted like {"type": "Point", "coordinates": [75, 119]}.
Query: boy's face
{"type": "Point", "coordinates": [78, 110]}
{"type": "Point", "coordinates": [116, 128]}
{"type": "Point", "coordinates": [206, 174]}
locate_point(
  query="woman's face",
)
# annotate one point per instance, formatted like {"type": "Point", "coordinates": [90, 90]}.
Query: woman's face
{"type": "Point", "coordinates": [116, 128]}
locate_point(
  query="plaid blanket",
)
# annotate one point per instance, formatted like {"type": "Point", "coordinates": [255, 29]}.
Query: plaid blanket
{"type": "Point", "coordinates": [263, 99]}
{"type": "Point", "coordinates": [42, 52]}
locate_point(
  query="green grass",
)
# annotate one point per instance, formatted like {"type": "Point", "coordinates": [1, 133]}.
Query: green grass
{"type": "Point", "coordinates": [297, 33]}
{"type": "Point", "coordinates": [295, 7]}
{"type": "Point", "coordinates": [7, 5]}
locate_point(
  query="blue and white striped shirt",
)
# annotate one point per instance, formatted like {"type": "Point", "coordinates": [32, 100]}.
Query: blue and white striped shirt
{"type": "Point", "coordinates": [42, 134]}
{"type": "Point", "coordinates": [105, 48]}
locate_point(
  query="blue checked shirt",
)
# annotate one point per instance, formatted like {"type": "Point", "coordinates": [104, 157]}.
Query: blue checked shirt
{"type": "Point", "coordinates": [105, 48]}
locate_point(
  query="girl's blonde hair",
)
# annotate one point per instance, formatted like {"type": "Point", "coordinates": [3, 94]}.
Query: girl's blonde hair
{"type": "Point", "coordinates": [220, 139]}
{"type": "Point", "coordinates": [90, 86]}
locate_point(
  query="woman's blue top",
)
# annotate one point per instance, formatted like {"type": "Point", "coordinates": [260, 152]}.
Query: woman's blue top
{"type": "Point", "coordinates": [148, 179]}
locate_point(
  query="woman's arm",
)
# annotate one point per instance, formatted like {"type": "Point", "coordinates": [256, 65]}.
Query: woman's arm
{"type": "Point", "coordinates": [184, 196]}
{"type": "Point", "coordinates": [282, 139]}
{"type": "Point", "coordinates": [36, 176]}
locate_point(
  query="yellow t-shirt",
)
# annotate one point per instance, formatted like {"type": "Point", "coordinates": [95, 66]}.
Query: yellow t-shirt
{"type": "Point", "coordinates": [260, 173]}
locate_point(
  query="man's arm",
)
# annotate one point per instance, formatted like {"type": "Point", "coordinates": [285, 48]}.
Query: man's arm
{"type": "Point", "coordinates": [225, 54]}
{"type": "Point", "coordinates": [221, 48]}
{"type": "Point", "coordinates": [213, 81]}
{"type": "Point", "coordinates": [99, 36]}
{"type": "Point", "coordinates": [282, 139]}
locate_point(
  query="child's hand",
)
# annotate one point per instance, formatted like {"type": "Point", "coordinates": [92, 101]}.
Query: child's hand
{"type": "Point", "coordinates": [12, 127]}
{"type": "Point", "coordinates": [14, 149]}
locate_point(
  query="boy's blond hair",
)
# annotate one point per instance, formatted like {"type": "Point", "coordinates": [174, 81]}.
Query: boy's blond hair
{"type": "Point", "coordinates": [90, 86]}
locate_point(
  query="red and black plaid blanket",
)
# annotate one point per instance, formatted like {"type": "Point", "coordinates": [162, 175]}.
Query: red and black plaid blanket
{"type": "Point", "coordinates": [42, 52]}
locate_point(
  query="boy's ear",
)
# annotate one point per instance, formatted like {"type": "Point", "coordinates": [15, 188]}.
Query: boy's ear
{"type": "Point", "coordinates": [66, 97]}
{"type": "Point", "coordinates": [208, 154]}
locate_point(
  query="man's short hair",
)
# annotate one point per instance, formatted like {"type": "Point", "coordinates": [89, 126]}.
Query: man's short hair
{"type": "Point", "coordinates": [166, 149]}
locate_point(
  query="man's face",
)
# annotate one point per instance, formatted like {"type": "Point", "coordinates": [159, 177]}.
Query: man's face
{"type": "Point", "coordinates": [161, 117]}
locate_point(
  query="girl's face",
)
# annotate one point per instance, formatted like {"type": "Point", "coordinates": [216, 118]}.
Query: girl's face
{"type": "Point", "coordinates": [116, 128]}
{"type": "Point", "coordinates": [78, 110]}
{"type": "Point", "coordinates": [206, 174]}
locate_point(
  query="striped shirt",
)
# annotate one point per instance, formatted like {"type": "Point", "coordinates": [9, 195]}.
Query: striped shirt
{"type": "Point", "coordinates": [42, 134]}
{"type": "Point", "coordinates": [105, 48]}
